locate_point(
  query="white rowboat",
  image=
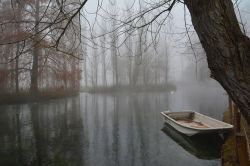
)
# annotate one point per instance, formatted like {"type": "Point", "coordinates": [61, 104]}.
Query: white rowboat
{"type": "Point", "coordinates": [191, 123]}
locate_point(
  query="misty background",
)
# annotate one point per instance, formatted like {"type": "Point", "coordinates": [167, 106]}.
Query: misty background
{"type": "Point", "coordinates": [169, 55]}
{"type": "Point", "coordinates": [162, 65]}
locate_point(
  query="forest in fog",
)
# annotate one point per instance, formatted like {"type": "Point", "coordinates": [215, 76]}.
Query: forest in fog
{"type": "Point", "coordinates": [31, 57]}
{"type": "Point", "coordinates": [39, 55]}
{"type": "Point", "coordinates": [51, 46]}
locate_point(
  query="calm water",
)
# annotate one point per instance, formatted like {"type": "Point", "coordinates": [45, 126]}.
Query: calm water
{"type": "Point", "coordinates": [108, 130]}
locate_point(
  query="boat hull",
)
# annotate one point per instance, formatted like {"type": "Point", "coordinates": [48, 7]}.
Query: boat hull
{"type": "Point", "coordinates": [217, 126]}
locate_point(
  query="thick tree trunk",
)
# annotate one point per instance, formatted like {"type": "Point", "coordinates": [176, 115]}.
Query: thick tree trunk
{"type": "Point", "coordinates": [227, 48]}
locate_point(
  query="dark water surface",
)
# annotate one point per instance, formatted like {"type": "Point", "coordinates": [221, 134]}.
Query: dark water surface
{"type": "Point", "coordinates": [108, 130]}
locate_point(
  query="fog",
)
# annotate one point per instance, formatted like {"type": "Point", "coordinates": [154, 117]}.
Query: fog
{"type": "Point", "coordinates": [87, 87]}
{"type": "Point", "coordinates": [175, 57]}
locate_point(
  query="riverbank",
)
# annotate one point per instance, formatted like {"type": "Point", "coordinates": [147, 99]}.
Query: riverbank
{"type": "Point", "coordinates": [128, 88]}
{"type": "Point", "coordinates": [229, 151]}
{"type": "Point", "coordinates": [229, 157]}
{"type": "Point", "coordinates": [25, 97]}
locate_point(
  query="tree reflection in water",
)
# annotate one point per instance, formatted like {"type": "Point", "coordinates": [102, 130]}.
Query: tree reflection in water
{"type": "Point", "coordinates": [92, 130]}
{"type": "Point", "coordinates": [42, 134]}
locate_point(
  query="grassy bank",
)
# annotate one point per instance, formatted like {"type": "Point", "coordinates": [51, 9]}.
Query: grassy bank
{"type": "Point", "coordinates": [128, 88]}
{"type": "Point", "coordinates": [25, 97]}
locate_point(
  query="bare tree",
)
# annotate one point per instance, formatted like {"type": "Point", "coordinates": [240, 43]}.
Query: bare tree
{"type": "Point", "coordinates": [130, 56]}
{"type": "Point", "coordinates": [103, 56]}
{"type": "Point", "coordinates": [36, 51]}
{"type": "Point", "coordinates": [85, 57]}
{"type": "Point", "coordinates": [114, 42]}
{"type": "Point", "coordinates": [41, 40]}
{"type": "Point", "coordinates": [227, 48]}
{"type": "Point", "coordinates": [18, 7]}
{"type": "Point", "coordinates": [95, 66]}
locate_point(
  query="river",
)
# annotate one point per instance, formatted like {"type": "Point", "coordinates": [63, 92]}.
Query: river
{"type": "Point", "coordinates": [108, 130]}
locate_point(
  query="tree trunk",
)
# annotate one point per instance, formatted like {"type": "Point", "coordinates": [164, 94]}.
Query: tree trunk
{"type": "Point", "coordinates": [114, 58]}
{"type": "Point", "coordinates": [104, 76]}
{"type": "Point", "coordinates": [85, 72]}
{"type": "Point", "coordinates": [17, 71]}
{"type": "Point", "coordinates": [129, 60]}
{"type": "Point", "coordinates": [34, 71]}
{"type": "Point", "coordinates": [95, 65]}
{"type": "Point", "coordinates": [227, 48]}
{"type": "Point", "coordinates": [137, 58]}
{"type": "Point", "coordinates": [18, 29]}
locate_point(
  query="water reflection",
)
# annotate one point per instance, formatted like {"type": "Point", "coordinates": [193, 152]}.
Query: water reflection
{"type": "Point", "coordinates": [202, 146]}
{"type": "Point", "coordinates": [42, 134]}
{"type": "Point", "coordinates": [92, 130]}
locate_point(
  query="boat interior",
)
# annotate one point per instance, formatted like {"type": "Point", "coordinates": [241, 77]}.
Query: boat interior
{"type": "Point", "coordinates": [188, 119]}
